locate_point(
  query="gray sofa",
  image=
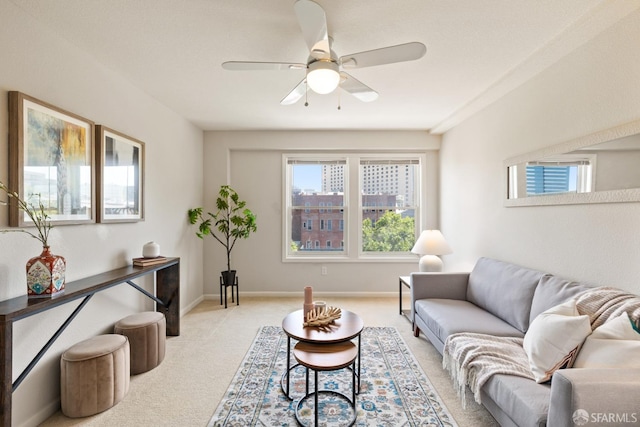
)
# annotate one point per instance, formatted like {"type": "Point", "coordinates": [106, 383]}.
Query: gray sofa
{"type": "Point", "coordinates": [501, 299]}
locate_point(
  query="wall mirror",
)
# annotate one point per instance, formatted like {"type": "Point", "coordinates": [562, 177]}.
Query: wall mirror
{"type": "Point", "coordinates": [603, 167]}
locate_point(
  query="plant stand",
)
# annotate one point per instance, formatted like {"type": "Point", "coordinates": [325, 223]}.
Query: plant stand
{"type": "Point", "coordinates": [225, 285]}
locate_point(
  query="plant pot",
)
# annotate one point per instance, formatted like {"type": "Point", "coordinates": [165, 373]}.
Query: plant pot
{"type": "Point", "coordinates": [45, 275]}
{"type": "Point", "coordinates": [228, 277]}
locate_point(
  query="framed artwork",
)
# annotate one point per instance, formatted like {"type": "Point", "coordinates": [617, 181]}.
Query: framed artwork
{"type": "Point", "coordinates": [120, 161]}
{"type": "Point", "coordinates": [51, 161]}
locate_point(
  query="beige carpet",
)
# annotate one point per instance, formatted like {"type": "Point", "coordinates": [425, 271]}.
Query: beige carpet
{"type": "Point", "coordinates": [199, 365]}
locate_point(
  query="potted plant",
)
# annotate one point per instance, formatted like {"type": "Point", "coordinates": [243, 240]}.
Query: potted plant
{"type": "Point", "coordinates": [231, 221]}
{"type": "Point", "coordinates": [46, 272]}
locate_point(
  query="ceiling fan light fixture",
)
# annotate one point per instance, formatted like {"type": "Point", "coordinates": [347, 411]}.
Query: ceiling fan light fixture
{"type": "Point", "coordinates": [323, 76]}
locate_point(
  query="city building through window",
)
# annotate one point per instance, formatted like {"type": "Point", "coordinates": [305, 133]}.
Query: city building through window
{"type": "Point", "coordinates": [374, 197]}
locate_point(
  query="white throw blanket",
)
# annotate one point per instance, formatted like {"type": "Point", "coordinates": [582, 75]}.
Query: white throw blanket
{"type": "Point", "coordinates": [602, 304]}
{"type": "Point", "coordinates": [472, 359]}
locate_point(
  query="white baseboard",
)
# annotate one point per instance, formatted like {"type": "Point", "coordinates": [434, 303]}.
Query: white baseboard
{"type": "Point", "coordinates": [45, 411]}
{"type": "Point", "coordinates": [315, 294]}
{"type": "Point", "coordinates": [195, 302]}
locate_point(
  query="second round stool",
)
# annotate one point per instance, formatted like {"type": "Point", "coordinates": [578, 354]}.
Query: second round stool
{"type": "Point", "coordinates": [147, 339]}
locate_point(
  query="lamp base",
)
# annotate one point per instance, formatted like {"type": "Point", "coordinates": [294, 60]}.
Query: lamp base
{"type": "Point", "coordinates": [430, 263]}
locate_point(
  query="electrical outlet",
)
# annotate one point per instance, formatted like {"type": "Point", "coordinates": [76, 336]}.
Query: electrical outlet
{"type": "Point", "coordinates": [323, 270]}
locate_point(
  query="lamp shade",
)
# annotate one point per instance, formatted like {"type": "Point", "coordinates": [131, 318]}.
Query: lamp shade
{"type": "Point", "coordinates": [323, 76]}
{"type": "Point", "coordinates": [431, 242]}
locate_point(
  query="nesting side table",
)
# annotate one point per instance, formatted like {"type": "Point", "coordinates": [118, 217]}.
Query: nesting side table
{"type": "Point", "coordinates": [348, 327]}
{"type": "Point", "coordinates": [326, 357]}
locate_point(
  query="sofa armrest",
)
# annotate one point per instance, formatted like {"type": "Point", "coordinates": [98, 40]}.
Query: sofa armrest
{"type": "Point", "coordinates": [598, 394]}
{"type": "Point", "coordinates": [439, 285]}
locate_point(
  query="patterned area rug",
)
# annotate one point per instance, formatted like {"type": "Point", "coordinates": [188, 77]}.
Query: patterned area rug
{"type": "Point", "coordinates": [394, 391]}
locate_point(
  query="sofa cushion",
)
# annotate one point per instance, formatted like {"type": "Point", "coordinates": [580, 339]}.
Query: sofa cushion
{"type": "Point", "coordinates": [554, 338]}
{"type": "Point", "coordinates": [552, 291]}
{"type": "Point", "coordinates": [446, 316]}
{"type": "Point", "coordinates": [523, 400]}
{"type": "Point", "coordinates": [504, 289]}
{"type": "Point", "coordinates": [616, 344]}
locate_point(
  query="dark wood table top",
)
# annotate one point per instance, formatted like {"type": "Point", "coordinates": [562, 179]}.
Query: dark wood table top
{"type": "Point", "coordinates": [347, 327]}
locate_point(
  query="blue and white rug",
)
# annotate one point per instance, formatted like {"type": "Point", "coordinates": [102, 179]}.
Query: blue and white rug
{"type": "Point", "coordinates": [394, 389]}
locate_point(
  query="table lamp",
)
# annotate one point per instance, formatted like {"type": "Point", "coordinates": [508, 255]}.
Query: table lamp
{"type": "Point", "coordinates": [430, 244]}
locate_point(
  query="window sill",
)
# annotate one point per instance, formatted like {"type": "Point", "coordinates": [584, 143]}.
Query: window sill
{"type": "Point", "coordinates": [345, 259]}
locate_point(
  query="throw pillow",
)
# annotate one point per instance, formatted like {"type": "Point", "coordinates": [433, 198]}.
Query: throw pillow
{"type": "Point", "coordinates": [554, 339]}
{"type": "Point", "coordinates": [616, 344]}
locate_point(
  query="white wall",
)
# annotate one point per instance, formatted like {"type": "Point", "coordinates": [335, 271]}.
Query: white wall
{"type": "Point", "coordinates": [39, 63]}
{"type": "Point", "coordinates": [595, 87]}
{"type": "Point", "coordinates": [252, 163]}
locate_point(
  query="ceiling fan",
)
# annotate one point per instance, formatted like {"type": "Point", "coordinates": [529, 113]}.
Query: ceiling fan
{"type": "Point", "coordinates": [324, 70]}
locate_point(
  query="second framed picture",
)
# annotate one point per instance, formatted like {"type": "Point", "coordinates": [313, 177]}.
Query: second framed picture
{"type": "Point", "coordinates": [120, 177]}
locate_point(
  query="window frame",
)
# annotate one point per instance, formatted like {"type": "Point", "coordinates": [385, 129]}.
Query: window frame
{"type": "Point", "coordinates": [419, 183]}
{"type": "Point", "coordinates": [350, 249]}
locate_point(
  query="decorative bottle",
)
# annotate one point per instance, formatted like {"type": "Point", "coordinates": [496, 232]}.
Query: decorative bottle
{"type": "Point", "coordinates": [45, 274]}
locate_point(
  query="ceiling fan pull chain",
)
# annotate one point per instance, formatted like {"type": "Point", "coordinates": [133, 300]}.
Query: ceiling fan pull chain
{"type": "Point", "coordinates": [306, 94]}
{"type": "Point", "coordinates": [339, 101]}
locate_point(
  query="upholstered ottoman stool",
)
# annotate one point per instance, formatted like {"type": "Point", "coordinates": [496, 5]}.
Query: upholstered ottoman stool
{"type": "Point", "coordinates": [147, 333]}
{"type": "Point", "coordinates": [94, 375]}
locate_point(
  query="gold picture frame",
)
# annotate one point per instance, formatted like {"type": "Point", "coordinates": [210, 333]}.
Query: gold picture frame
{"type": "Point", "coordinates": [120, 179]}
{"type": "Point", "coordinates": [51, 161]}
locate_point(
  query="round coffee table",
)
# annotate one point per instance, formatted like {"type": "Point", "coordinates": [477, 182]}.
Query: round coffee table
{"type": "Point", "coordinates": [346, 328]}
{"type": "Point", "coordinates": [326, 357]}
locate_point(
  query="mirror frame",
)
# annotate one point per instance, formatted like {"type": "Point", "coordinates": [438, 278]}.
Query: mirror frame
{"type": "Point", "coordinates": [609, 196]}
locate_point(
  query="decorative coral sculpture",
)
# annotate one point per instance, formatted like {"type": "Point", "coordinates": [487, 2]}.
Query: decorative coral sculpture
{"type": "Point", "coordinates": [322, 316]}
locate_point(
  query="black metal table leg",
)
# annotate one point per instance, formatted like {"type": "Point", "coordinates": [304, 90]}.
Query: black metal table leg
{"type": "Point", "coordinates": [353, 385]}
{"type": "Point", "coordinates": [315, 398]}
{"type": "Point", "coordinates": [359, 359]}
{"type": "Point", "coordinates": [288, 366]}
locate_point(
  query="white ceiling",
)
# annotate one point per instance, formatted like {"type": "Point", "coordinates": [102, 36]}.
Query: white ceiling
{"type": "Point", "coordinates": [477, 50]}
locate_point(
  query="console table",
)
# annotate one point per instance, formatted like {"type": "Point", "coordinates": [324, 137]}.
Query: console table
{"type": "Point", "coordinates": [167, 297]}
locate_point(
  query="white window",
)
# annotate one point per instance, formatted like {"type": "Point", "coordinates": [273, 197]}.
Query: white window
{"type": "Point", "coordinates": [310, 187]}
{"type": "Point", "coordinates": [373, 218]}
{"type": "Point", "coordinates": [391, 226]}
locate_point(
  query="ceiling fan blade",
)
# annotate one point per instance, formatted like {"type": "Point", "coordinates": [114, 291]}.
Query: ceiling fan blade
{"type": "Point", "coordinates": [313, 22]}
{"type": "Point", "coordinates": [358, 89]}
{"type": "Point", "coordinates": [249, 66]}
{"type": "Point", "coordinates": [295, 95]}
{"type": "Point", "coordinates": [386, 55]}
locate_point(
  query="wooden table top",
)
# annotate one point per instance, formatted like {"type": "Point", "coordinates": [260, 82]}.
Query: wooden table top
{"type": "Point", "coordinates": [347, 327]}
{"type": "Point", "coordinates": [325, 357]}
